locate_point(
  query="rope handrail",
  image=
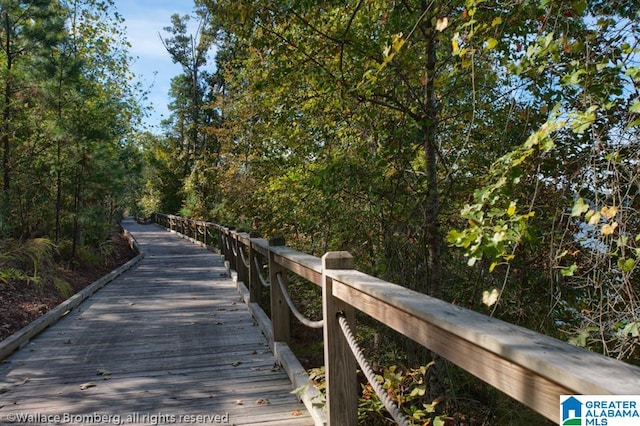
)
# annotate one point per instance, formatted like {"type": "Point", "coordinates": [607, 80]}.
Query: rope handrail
{"type": "Point", "coordinates": [392, 408]}
{"type": "Point", "coordinates": [522, 361]}
{"type": "Point", "coordinates": [264, 282]}
{"type": "Point", "coordinates": [233, 249]}
{"type": "Point", "coordinates": [226, 241]}
{"type": "Point", "coordinates": [244, 258]}
{"type": "Point", "coordinates": [305, 321]}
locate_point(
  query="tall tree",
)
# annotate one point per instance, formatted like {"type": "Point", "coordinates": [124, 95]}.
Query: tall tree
{"type": "Point", "coordinates": [27, 28]}
{"type": "Point", "coordinates": [67, 111]}
{"type": "Point", "coordinates": [191, 52]}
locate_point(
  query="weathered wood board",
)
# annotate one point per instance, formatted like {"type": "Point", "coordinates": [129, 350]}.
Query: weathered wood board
{"type": "Point", "coordinates": [165, 342]}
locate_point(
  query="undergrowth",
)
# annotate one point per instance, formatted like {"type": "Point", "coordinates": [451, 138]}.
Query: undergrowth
{"type": "Point", "coordinates": [464, 399]}
{"type": "Point", "coordinates": [40, 263]}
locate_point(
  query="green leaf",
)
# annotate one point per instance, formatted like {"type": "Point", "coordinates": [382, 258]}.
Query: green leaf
{"type": "Point", "coordinates": [635, 108]}
{"type": "Point", "coordinates": [626, 265]}
{"type": "Point", "coordinates": [579, 208]}
{"type": "Point", "coordinates": [580, 6]}
{"type": "Point", "coordinates": [573, 78]}
{"type": "Point", "coordinates": [439, 421]}
{"type": "Point", "coordinates": [583, 120]}
{"type": "Point", "coordinates": [633, 328]}
{"type": "Point", "coordinates": [569, 270]}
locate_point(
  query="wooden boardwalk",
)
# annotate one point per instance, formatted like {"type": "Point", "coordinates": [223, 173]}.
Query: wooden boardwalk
{"type": "Point", "coordinates": [170, 338]}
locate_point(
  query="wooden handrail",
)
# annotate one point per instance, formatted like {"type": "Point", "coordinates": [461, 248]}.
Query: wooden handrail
{"type": "Point", "coordinates": [530, 367]}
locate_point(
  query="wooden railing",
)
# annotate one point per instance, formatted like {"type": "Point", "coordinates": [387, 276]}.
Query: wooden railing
{"type": "Point", "coordinates": [530, 367]}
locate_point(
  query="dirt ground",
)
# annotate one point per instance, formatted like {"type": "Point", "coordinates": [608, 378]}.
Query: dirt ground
{"type": "Point", "coordinates": [22, 303]}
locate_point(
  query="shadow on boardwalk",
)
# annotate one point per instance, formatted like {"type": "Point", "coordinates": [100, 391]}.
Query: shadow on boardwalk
{"type": "Point", "coordinates": [169, 338]}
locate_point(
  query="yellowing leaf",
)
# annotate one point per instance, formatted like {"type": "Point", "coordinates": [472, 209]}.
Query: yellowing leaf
{"type": "Point", "coordinates": [579, 207]}
{"type": "Point", "coordinates": [442, 24]}
{"type": "Point", "coordinates": [595, 218]}
{"type": "Point", "coordinates": [491, 43]}
{"type": "Point", "coordinates": [512, 209]}
{"type": "Point", "coordinates": [609, 229]}
{"type": "Point", "coordinates": [496, 21]}
{"type": "Point", "coordinates": [609, 212]}
{"type": "Point", "coordinates": [490, 298]}
{"type": "Point", "coordinates": [454, 44]}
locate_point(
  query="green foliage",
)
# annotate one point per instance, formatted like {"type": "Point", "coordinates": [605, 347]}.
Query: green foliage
{"type": "Point", "coordinates": [40, 253]}
{"type": "Point", "coordinates": [67, 167]}
{"type": "Point", "coordinates": [380, 127]}
{"type": "Point", "coordinates": [63, 288]}
{"type": "Point", "coordinates": [8, 275]}
{"type": "Point", "coordinates": [29, 261]}
{"type": "Point", "coordinates": [407, 389]}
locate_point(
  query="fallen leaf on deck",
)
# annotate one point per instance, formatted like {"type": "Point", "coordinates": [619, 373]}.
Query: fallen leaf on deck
{"type": "Point", "coordinates": [87, 385]}
{"type": "Point", "coordinates": [236, 363]}
{"type": "Point", "coordinates": [262, 401]}
{"type": "Point", "coordinates": [239, 402]}
{"type": "Point", "coordinates": [296, 413]}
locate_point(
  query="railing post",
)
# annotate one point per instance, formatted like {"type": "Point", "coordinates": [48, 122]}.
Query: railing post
{"type": "Point", "coordinates": [339, 363]}
{"type": "Point", "coordinates": [255, 287]}
{"type": "Point", "coordinates": [240, 267]}
{"type": "Point", "coordinates": [280, 318]}
{"type": "Point", "coordinates": [228, 246]}
{"type": "Point", "coordinates": [205, 231]}
{"type": "Point", "coordinates": [235, 254]}
{"type": "Point", "coordinates": [221, 245]}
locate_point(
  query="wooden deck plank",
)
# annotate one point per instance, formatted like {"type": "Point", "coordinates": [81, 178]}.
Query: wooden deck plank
{"type": "Point", "coordinates": [174, 338]}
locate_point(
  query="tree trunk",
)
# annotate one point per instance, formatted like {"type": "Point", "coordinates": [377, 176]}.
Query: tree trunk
{"type": "Point", "coordinates": [430, 128]}
{"type": "Point", "coordinates": [432, 235]}
{"type": "Point", "coordinates": [6, 158]}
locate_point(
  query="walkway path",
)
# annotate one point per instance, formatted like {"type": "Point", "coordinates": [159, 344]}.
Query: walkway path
{"type": "Point", "coordinates": [168, 342]}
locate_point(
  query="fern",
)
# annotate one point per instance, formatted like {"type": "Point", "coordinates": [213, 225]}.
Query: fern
{"type": "Point", "coordinates": [63, 288]}
{"type": "Point", "coordinates": [8, 275]}
{"type": "Point", "coordinates": [40, 253]}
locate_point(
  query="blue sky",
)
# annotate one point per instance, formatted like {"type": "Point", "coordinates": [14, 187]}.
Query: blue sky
{"type": "Point", "coordinates": [144, 19]}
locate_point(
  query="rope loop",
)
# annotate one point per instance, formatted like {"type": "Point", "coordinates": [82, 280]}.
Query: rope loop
{"type": "Point", "coordinates": [243, 258]}
{"type": "Point", "coordinates": [305, 321]}
{"type": "Point", "coordinates": [264, 282]}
